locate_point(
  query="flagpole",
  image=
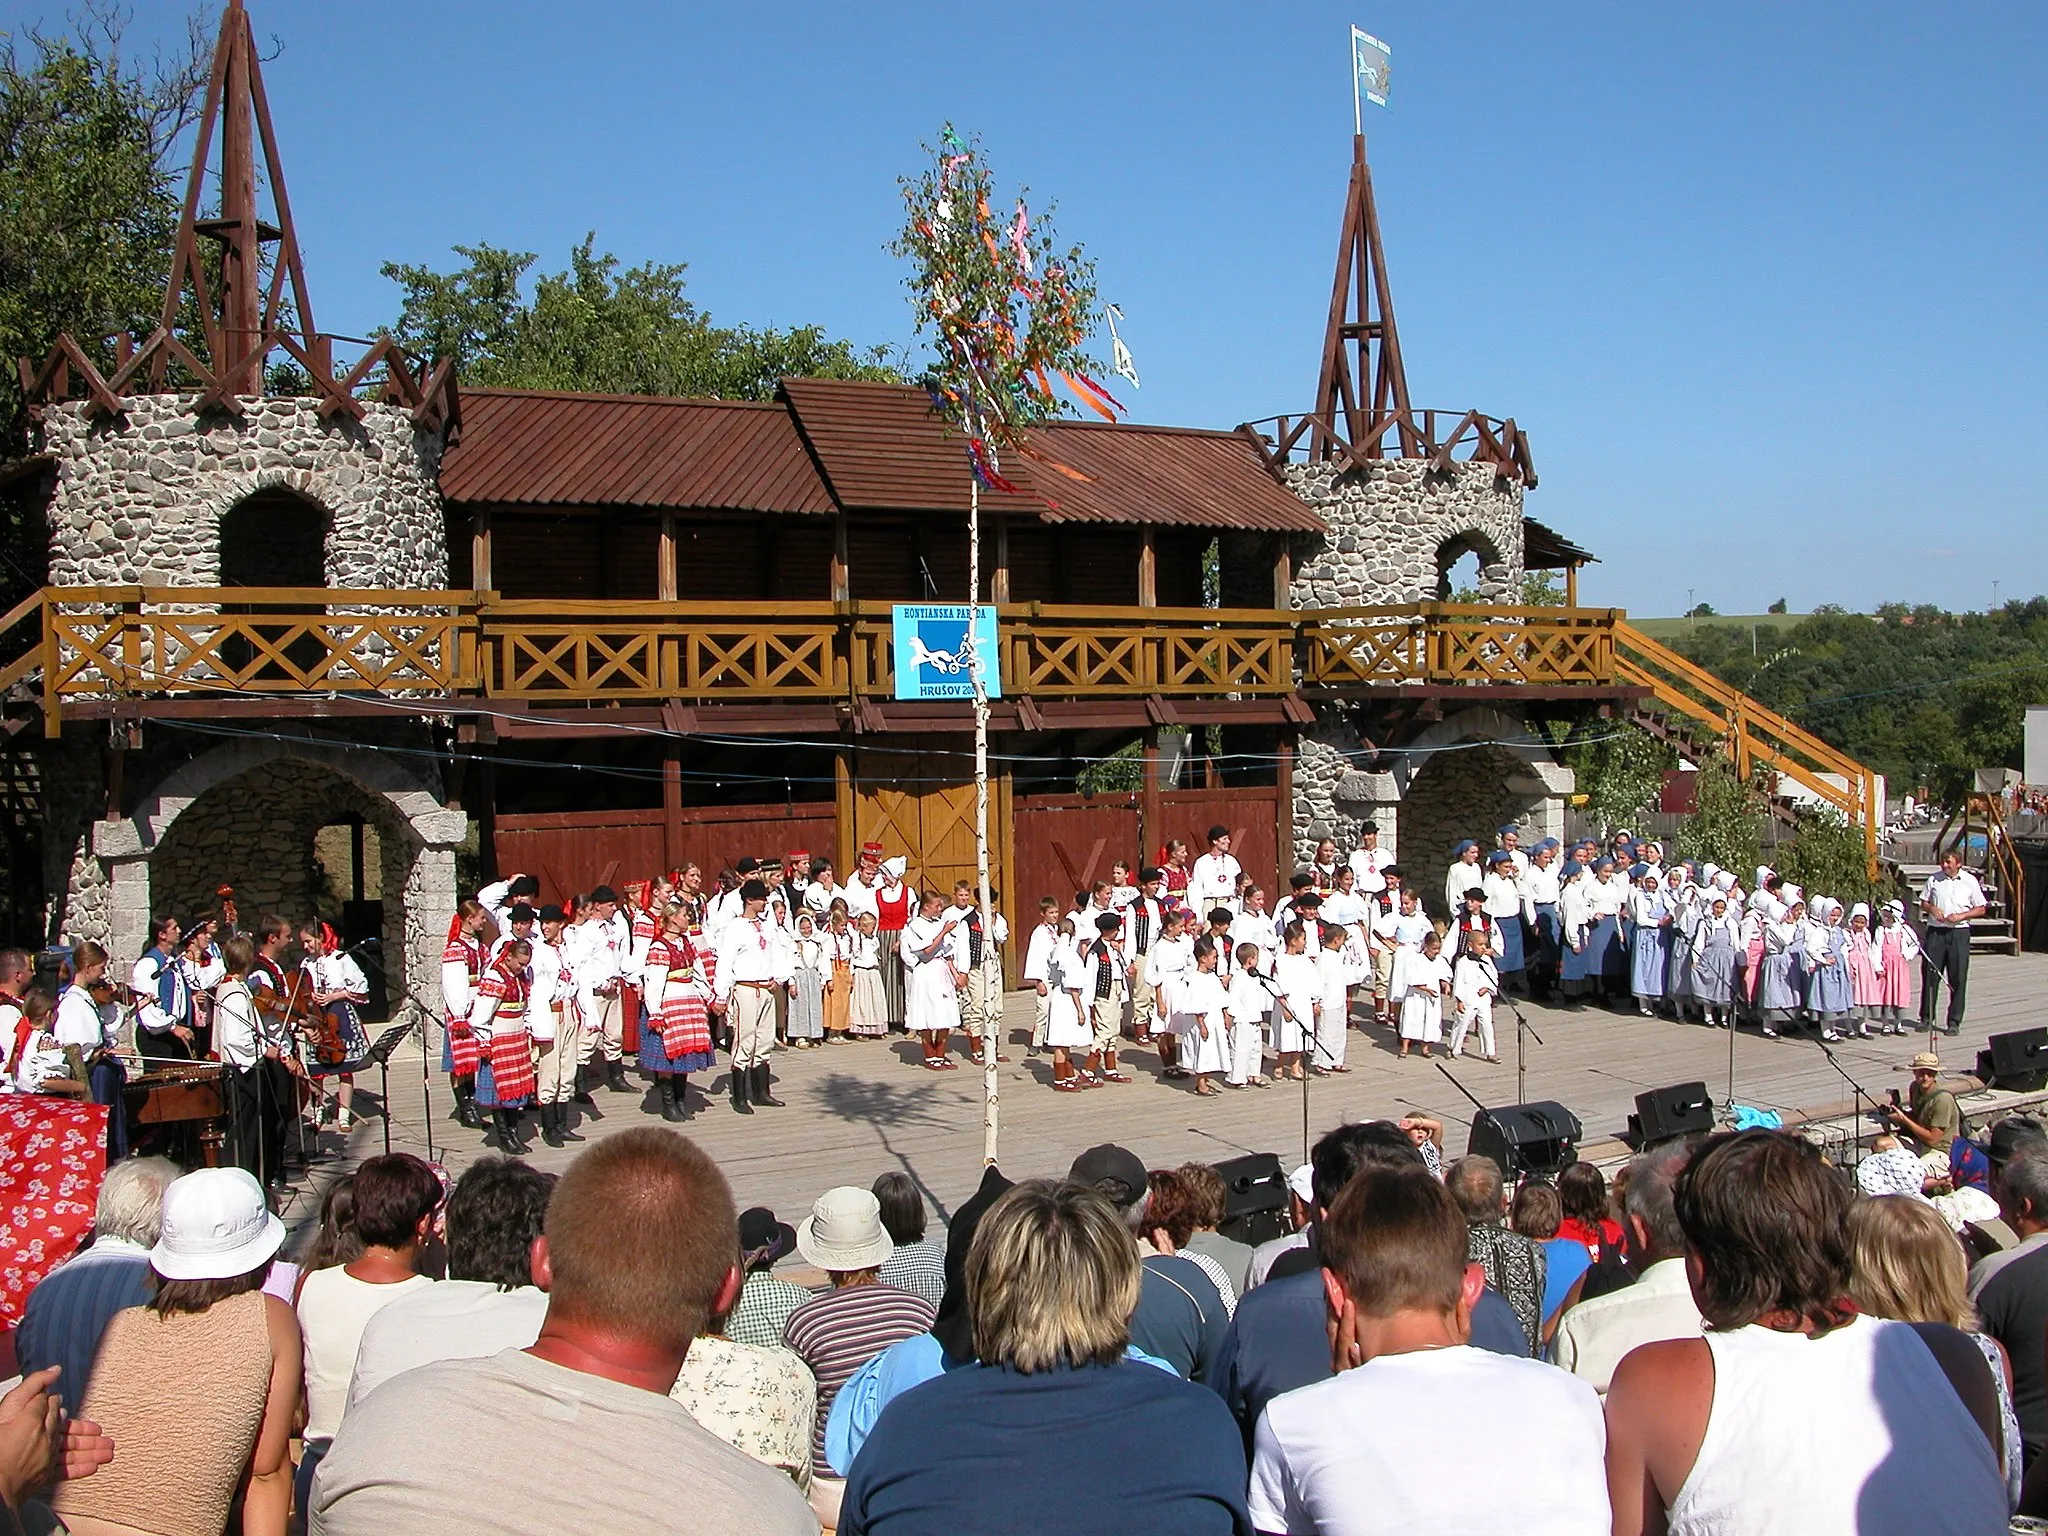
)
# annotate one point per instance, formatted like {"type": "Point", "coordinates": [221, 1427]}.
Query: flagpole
{"type": "Point", "coordinates": [990, 980]}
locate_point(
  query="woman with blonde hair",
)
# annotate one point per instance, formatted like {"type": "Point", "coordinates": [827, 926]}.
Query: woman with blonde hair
{"type": "Point", "coordinates": [1906, 1264]}
{"type": "Point", "coordinates": [1052, 1280]}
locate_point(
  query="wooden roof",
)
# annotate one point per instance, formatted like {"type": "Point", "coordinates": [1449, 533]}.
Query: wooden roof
{"type": "Point", "coordinates": [829, 443]}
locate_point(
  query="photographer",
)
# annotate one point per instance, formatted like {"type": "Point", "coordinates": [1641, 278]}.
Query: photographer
{"type": "Point", "coordinates": [1929, 1118]}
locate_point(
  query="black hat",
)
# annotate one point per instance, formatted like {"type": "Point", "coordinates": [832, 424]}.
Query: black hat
{"type": "Point", "coordinates": [1150, 875]}
{"type": "Point", "coordinates": [1106, 1168]}
{"type": "Point", "coordinates": [746, 866]}
{"type": "Point", "coordinates": [525, 885]}
{"type": "Point", "coordinates": [1371, 826]}
{"type": "Point", "coordinates": [2012, 1135]}
{"type": "Point", "coordinates": [754, 890]}
{"type": "Point", "coordinates": [1108, 922]}
{"type": "Point", "coordinates": [553, 914]}
{"type": "Point", "coordinates": [604, 893]}
{"type": "Point", "coordinates": [763, 1239]}
{"type": "Point", "coordinates": [520, 913]}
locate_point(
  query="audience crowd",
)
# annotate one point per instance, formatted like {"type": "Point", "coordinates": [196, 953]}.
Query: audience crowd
{"type": "Point", "coordinates": [1730, 1335]}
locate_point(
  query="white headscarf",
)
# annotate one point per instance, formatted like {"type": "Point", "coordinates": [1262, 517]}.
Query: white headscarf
{"type": "Point", "coordinates": [894, 868]}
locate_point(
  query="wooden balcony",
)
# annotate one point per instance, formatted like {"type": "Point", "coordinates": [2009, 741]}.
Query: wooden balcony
{"type": "Point", "coordinates": [74, 646]}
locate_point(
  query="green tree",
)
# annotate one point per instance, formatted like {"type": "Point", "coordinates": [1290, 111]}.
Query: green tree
{"type": "Point", "coordinates": [1827, 855]}
{"type": "Point", "coordinates": [1726, 824]}
{"type": "Point", "coordinates": [600, 328]}
{"type": "Point", "coordinates": [1542, 589]}
{"type": "Point", "coordinates": [1700, 611]}
{"type": "Point", "coordinates": [1778, 607]}
{"type": "Point", "coordinates": [1620, 770]}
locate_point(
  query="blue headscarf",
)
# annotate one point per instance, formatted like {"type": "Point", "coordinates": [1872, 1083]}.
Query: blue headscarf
{"type": "Point", "coordinates": [1459, 851]}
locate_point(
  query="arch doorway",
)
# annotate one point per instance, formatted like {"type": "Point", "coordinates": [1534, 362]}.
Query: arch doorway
{"type": "Point", "coordinates": [1470, 570]}
{"type": "Point", "coordinates": [1459, 792]}
{"type": "Point", "coordinates": [272, 538]}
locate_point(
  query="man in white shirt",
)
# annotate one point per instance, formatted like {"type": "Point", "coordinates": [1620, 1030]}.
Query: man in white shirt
{"type": "Point", "coordinates": [1212, 882]}
{"type": "Point", "coordinates": [490, 1300]}
{"type": "Point", "coordinates": [1369, 861]}
{"type": "Point", "coordinates": [1593, 1336]}
{"type": "Point", "coordinates": [981, 994]}
{"type": "Point", "coordinates": [753, 965]}
{"type": "Point", "coordinates": [1036, 976]}
{"type": "Point", "coordinates": [1400, 1295]}
{"type": "Point", "coordinates": [1951, 899]}
{"type": "Point", "coordinates": [600, 952]}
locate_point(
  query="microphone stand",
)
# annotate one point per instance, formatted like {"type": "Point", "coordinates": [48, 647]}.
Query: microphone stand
{"type": "Point", "coordinates": [1522, 1026]}
{"type": "Point", "coordinates": [1861, 1096]}
{"type": "Point", "coordinates": [1491, 1119]}
{"type": "Point", "coordinates": [426, 1068]}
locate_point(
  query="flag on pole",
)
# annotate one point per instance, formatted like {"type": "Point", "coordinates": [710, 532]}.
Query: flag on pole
{"type": "Point", "coordinates": [1371, 70]}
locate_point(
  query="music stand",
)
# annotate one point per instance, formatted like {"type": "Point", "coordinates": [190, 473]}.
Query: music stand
{"type": "Point", "coordinates": [380, 1053]}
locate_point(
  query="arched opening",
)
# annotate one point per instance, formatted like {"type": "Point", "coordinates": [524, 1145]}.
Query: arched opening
{"type": "Point", "coordinates": [272, 538]}
{"type": "Point", "coordinates": [1467, 570]}
{"type": "Point", "coordinates": [1460, 791]}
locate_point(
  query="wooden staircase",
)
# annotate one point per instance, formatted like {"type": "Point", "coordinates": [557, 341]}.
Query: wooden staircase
{"type": "Point", "coordinates": [1978, 834]}
{"type": "Point", "coordinates": [1698, 713]}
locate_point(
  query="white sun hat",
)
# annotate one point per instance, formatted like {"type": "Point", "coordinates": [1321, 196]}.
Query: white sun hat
{"type": "Point", "coordinates": [844, 1231]}
{"type": "Point", "coordinates": [216, 1225]}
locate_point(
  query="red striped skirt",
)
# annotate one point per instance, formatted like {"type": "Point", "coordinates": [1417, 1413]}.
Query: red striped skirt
{"type": "Point", "coordinates": [684, 1025]}
{"type": "Point", "coordinates": [512, 1077]}
{"type": "Point", "coordinates": [463, 1051]}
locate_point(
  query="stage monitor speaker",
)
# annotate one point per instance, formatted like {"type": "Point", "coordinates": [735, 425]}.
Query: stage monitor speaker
{"type": "Point", "coordinates": [1664, 1114]}
{"type": "Point", "coordinates": [1255, 1198]}
{"type": "Point", "coordinates": [1540, 1138]}
{"type": "Point", "coordinates": [2019, 1059]}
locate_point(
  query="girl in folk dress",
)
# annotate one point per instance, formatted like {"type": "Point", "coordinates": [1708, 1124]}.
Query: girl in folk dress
{"type": "Point", "coordinates": [1299, 987]}
{"type": "Point", "coordinates": [1686, 912]}
{"type": "Point", "coordinates": [1068, 1025]}
{"type": "Point", "coordinates": [1825, 952]}
{"type": "Point", "coordinates": [1777, 994]}
{"type": "Point", "coordinates": [1249, 1006]}
{"type": "Point", "coordinates": [1711, 964]}
{"type": "Point", "coordinates": [870, 1011]}
{"type": "Point", "coordinates": [932, 995]}
{"type": "Point", "coordinates": [505, 1080]}
{"type": "Point", "coordinates": [337, 983]}
{"type": "Point", "coordinates": [1199, 1004]}
{"type": "Point", "coordinates": [1422, 981]}
{"type": "Point", "coordinates": [807, 985]}
{"type": "Point", "coordinates": [1577, 975]}
{"type": "Point", "coordinates": [1866, 961]}
{"type": "Point", "coordinates": [837, 941]}
{"type": "Point", "coordinates": [1172, 957]}
{"type": "Point", "coordinates": [1899, 947]}
{"type": "Point", "coordinates": [1650, 918]}
{"type": "Point", "coordinates": [677, 1039]}
{"type": "Point", "coordinates": [895, 905]}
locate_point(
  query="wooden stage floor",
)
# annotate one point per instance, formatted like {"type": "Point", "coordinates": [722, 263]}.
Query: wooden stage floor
{"type": "Point", "coordinates": [858, 1109]}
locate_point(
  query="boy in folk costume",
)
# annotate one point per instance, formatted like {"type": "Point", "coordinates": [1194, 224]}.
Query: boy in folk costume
{"type": "Point", "coordinates": [1422, 982]}
{"type": "Point", "coordinates": [1470, 919]}
{"type": "Point", "coordinates": [981, 972]}
{"type": "Point", "coordinates": [1298, 992]}
{"type": "Point", "coordinates": [1070, 1024]}
{"type": "Point", "coordinates": [1108, 979]}
{"type": "Point", "coordinates": [932, 982]}
{"type": "Point", "coordinates": [1475, 983]}
{"type": "Point", "coordinates": [1337, 967]}
{"type": "Point", "coordinates": [600, 955]}
{"type": "Point", "coordinates": [1037, 973]}
{"type": "Point", "coordinates": [505, 1078]}
{"type": "Point", "coordinates": [1249, 1006]}
{"type": "Point", "coordinates": [677, 1039]}
{"type": "Point", "coordinates": [1199, 1023]}
{"type": "Point", "coordinates": [869, 1016]}
{"type": "Point", "coordinates": [752, 968]}
{"type": "Point", "coordinates": [556, 1028]}
{"type": "Point", "coordinates": [1144, 920]}
{"type": "Point", "coordinates": [337, 984]}
{"type": "Point", "coordinates": [1898, 947]}
{"type": "Point", "coordinates": [471, 934]}
{"type": "Point", "coordinates": [1381, 942]}
{"type": "Point", "coordinates": [1172, 957]}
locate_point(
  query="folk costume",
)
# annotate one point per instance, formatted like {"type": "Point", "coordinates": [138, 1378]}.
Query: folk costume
{"type": "Point", "coordinates": [463, 961]}
{"type": "Point", "coordinates": [677, 1040]}
{"type": "Point", "coordinates": [869, 1017]}
{"type": "Point", "coordinates": [505, 1080]}
{"type": "Point", "coordinates": [1475, 983]}
{"type": "Point", "coordinates": [752, 967]}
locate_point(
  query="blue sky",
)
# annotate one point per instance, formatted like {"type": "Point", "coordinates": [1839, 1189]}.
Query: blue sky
{"type": "Point", "coordinates": [1763, 282]}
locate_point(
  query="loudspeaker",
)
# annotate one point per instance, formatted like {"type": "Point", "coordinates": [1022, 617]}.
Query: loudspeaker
{"type": "Point", "coordinates": [1539, 1138]}
{"type": "Point", "coordinates": [2019, 1059]}
{"type": "Point", "coordinates": [1663, 1114]}
{"type": "Point", "coordinates": [1255, 1198]}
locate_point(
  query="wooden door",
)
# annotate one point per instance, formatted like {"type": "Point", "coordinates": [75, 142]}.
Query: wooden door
{"type": "Point", "coordinates": [921, 804]}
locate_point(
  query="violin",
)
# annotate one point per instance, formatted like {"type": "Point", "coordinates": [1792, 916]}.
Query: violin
{"type": "Point", "coordinates": [102, 992]}
{"type": "Point", "coordinates": [320, 1023]}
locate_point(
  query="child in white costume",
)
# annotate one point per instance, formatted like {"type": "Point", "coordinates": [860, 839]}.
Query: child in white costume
{"type": "Point", "coordinates": [1250, 1006]}
{"type": "Point", "coordinates": [1475, 983]}
{"type": "Point", "coordinates": [1422, 981]}
{"type": "Point", "coordinates": [1197, 1021]}
{"type": "Point", "coordinates": [1299, 985]}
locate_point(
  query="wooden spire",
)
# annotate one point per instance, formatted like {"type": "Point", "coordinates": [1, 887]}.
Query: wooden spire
{"type": "Point", "coordinates": [234, 324]}
{"type": "Point", "coordinates": [1363, 388]}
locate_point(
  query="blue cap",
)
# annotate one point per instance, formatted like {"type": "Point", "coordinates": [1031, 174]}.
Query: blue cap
{"type": "Point", "coordinates": [1639, 871]}
{"type": "Point", "coordinates": [1603, 862]}
{"type": "Point", "coordinates": [1510, 827]}
{"type": "Point", "coordinates": [1548, 842]}
{"type": "Point", "coordinates": [1463, 844]}
{"type": "Point", "coordinates": [1500, 856]}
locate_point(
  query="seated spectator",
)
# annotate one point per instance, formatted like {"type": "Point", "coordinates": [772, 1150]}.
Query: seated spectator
{"type": "Point", "coordinates": [70, 1309]}
{"type": "Point", "coordinates": [333, 1241]}
{"type": "Point", "coordinates": [765, 1301]}
{"type": "Point", "coordinates": [489, 1301]}
{"type": "Point", "coordinates": [1794, 1413]}
{"type": "Point", "coordinates": [1582, 1190]}
{"type": "Point", "coordinates": [836, 1333]}
{"type": "Point", "coordinates": [2012, 1299]}
{"type": "Point", "coordinates": [199, 1387]}
{"type": "Point", "coordinates": [2026, 1221]}
{"type": "Point", "coordinates": [1593, 1336]}
{"type": "Point", "coordinates": [638, 1253]}
{"type": "Point", "coordinates": [918, 1265]}
{"type": "Point", "coordinates": [1170, 1215]}
{"type": "Point", "coordinates": [1180, 1316]}
{"type": "Point", "coordinates": [1052, 1280]}
{"type": "Point", "coordinates": [1905, 1264]}
{"type": "Point", "coordinates": [1279, 1339]}
{"type": "Point", "coordinates": [1513, 1264]}
{"type": "Point", "coordinates": [1400, 1291]}
{"type": "Point", "coordinates": [1211, 1205]}
{"type": "Point", "coordinates": [1537, 1213]}
{"type": "Point", "coordinates": [1301, 1210]}
{"type": "Point", "coordinates": [395, 1200]}
{"type": "Point", "coordinates": [760, 1401]}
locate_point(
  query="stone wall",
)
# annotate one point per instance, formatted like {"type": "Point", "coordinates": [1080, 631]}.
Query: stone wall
{"type": "Point", "coordinates": [139, 499]}
{"type": "Point", "coordinates": [1397, 527]}
{"type": "Point", "coordinates": [1333, 797]}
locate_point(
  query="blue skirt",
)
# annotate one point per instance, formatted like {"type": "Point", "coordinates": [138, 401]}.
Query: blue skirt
{"type": "Point", "coordinates": [1549, 937]}
{"type": "Point", "coordinates": [1828, 990]}
{"type": "Point", "coordinates": [1648, 954]}
{"type": "Point", "coordinates": [1581, 964]}
{"type": "Point", "coordinates": [1512, 952]}
{"type": "Point", "coordinates": [654, 1058]}
{"type": "Point", "coordinates": [487, 1088]}
{"type": "Point", "coordinates": [1603, 943]}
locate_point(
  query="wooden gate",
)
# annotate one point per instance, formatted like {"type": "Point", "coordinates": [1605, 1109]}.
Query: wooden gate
{"type": "Point", "coordinates": [1065, 843]}
{"type": "Point", "coordinates": [572, 851]}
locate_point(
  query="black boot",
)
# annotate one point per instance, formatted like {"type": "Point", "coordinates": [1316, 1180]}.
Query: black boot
{"type": "Point", "coordinates": [465, 1103]}
{"type": "Point", "coordinates": [506, 1121]}
{"type": "Point", "coordinates": [551, 1124]}
{"type": "Point", "coordinates": [563, 1128]}
{"type": "Point", "coordinates": [580, 1092]}
{"type": "Point", "coordinates": [665, 1086]}
{"type": "Point", "coordinates": [742, 1084]}
{"type": "Point", "coordinates": [682, 1095]}
{"type": "Point", "coordinates": [762, 1096]}
{"type": "Point", "coordinates": [615, 1077]}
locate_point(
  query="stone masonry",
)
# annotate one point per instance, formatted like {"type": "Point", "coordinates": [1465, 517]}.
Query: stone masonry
{"type": "Point", "coordinates": [1397, 527]}
{"type": "Point", "coordinates": [139, 499]}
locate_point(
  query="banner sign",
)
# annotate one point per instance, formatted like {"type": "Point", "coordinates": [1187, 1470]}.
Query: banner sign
{"type": "Point", "coordinates": [935, 653]}
{"type": "Point", "coordinates": [1372, 63]}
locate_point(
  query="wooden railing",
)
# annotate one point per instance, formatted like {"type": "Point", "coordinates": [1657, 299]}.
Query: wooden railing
{"type": "Point", "coordinates": [768, 651]}
{"type": "Point", "coordinates": [1983, 815]}
{"type": "Point", "coordinates": [1752, 735]}
{"type": "Point", "coordinates": [1442, 643]}
{"type": "Point", "coordinates": [1441, 437]}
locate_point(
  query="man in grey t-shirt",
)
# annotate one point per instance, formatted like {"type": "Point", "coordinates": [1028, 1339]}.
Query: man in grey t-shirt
{"type": "Point", "coordinates": [576, 1433]}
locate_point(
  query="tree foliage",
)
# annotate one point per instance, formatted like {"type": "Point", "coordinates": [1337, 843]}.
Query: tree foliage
{"type": "Point", "coordinates": [604, 329]}
{"type": "Point", "coordinates": [1620, 771]}
{"type": "Point", "coordinates": [1726, 824]}
{"type": "Point", "coordinates": [1922, 696]}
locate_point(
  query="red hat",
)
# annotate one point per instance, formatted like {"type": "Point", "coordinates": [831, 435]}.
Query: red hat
{"type": "Point", "coordinates": [798, 853]}
{"type": "Point", "coordinates": [871, 848]}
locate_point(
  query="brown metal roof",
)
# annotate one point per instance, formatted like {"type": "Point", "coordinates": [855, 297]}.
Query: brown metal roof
{"type": "Point", "coordinates": [881, 447]}
{"type": "Point", "coordinates": [1165, 475]}
{"type": "Point", "coordinates": [538, 448]}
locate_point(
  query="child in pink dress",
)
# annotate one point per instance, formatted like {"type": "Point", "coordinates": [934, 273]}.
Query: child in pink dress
{"type": "Point", "coordinates": [1866, 969]}
{"type": "Point", "coordinates": [1895, 947]}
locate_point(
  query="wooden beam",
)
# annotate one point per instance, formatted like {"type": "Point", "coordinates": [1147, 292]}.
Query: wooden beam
{"type": "Point", "coordinates": [844, 845]}
{"type": "Point", "coordinates": [1148, 570]}
{"type": "Point", "coordinates": [1150, 826]}
{"type": "Point", "coordinates": [1571, 586]}
{"type": "Point", "coordinates": [486, 813]}
{"type": "Point", "coordinates": [1283, 573]}
{"type": "Point", "coordinates": [1283, 811]}
{"type": "Point", "coordinates": [671, 803]}
{"type": "Point", "coordinates": [841, 579]}
{"type": "Point", "coordinates": [665, 564]}
{"type": "Point", "coordinates": [999, 573]}
{"type": "Point", "coordinates": [480, 550]}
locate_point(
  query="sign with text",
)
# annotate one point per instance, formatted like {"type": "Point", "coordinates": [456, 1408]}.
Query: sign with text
{"type": "Point", "coordinates": [936, 651]}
